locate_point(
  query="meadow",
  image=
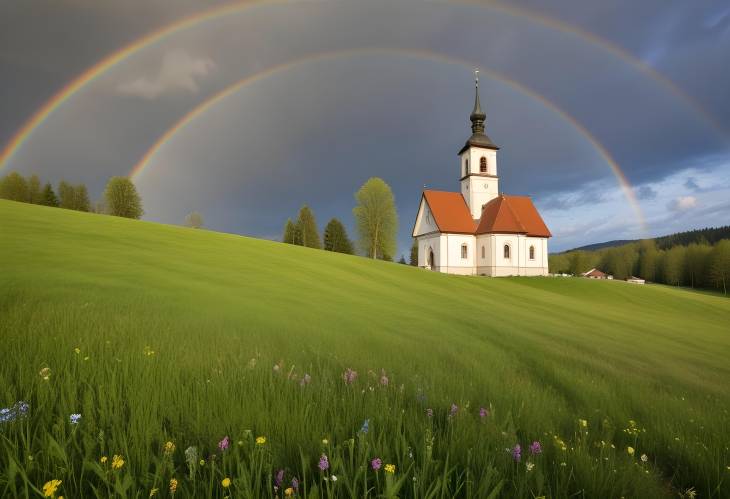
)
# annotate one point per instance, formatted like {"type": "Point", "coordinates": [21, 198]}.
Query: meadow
{"type": "Point", "coordinates": [139, 360]}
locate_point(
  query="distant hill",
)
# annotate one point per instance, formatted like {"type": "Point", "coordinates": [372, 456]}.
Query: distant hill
{"type": "Point", "coordinates": [710, 235]}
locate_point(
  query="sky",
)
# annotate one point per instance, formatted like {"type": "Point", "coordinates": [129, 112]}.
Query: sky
{"type": "Point", "coordinates": [614, 118]}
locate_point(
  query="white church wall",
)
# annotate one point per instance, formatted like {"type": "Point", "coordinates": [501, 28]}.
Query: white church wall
{"type": "Point", "coordinates": [425, 223]}
{"type": "Point", "coordinates": [427, 243]}
{"type": "Point", "coordinates": [479, 190]}
{"type": "Point", "coordinates": [454, 263]}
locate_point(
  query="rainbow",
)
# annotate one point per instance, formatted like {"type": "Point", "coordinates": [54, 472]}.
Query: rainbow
{"type": "Point", "coordinates": [627, 189]}
{"type": "Point", "coordinates": [91, 74]}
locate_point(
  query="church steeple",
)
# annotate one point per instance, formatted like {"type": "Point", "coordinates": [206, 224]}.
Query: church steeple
{"type": "Point", "coordinates": [478, 137]}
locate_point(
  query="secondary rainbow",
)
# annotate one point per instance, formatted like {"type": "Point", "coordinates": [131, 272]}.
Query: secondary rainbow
{"type": "Point", "coordinates": [194, 20]}
{"type": "Point", "coordinates": [200, 109]}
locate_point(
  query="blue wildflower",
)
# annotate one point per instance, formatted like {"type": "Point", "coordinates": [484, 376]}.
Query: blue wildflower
{"type": "Point", "coordinates": [365, 427]}
{"type": "Point", "coordinates": [74, 418]}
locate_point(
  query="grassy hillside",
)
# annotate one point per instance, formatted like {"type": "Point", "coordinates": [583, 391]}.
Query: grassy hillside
{"type": "Point", "coordinates": [187, 336]}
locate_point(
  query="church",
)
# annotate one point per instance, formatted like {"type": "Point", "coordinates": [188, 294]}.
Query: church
{"type": "Point", "coordinates": [480, 231]}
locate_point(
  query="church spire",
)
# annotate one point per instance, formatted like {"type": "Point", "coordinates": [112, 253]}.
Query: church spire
{"type": "Point", "coordinates": [477, 116]}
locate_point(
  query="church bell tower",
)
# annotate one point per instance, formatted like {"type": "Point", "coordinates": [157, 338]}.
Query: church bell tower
{"type": "Point", "coordinates": [478, 168]}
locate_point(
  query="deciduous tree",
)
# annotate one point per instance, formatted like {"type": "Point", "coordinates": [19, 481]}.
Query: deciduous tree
{"type": "Point", "coordinates": [14, 187]}
{"type": "Point", "coordinates": [122, 198]}
{"type": "Point", "coordinates": [34, 189]}
{"type": "Point", "coordinates": [194, 220]}
{"type": "Point", "coordinates": [719, 268]}
{"type": "Point", "coordinates": [376, 218]}
{"type": "Point", "coordinates": [307, 228]}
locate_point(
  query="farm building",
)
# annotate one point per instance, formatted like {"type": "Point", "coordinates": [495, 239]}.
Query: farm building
{"type": "Point", "coordinates": [635, 280]}
{"type": "Point", "coordinates": [596, 274]}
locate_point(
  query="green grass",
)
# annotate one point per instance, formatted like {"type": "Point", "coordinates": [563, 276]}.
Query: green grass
{"type": "Point", "coordinates": [219, 311]}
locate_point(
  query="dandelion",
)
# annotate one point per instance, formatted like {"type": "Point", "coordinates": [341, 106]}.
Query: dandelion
{"type": "Point", "coordinates": [583, 423]}
{"type": "Point", "coordinates": [168, 448]}
{"type": "Point", "coordinates": [103, 459]}
{"type": "Point", "coordinates": [630, 450]}
{"type": "Point", "coordinates": [50, 488]}
{"type": "Point", "coordinates": [289, 492]}
{"type": "Point", "coordinates": [117, 462]}
{"type": "Point", "coordinates": [260, 440]}
{"type": "Point", "coordinates": [226, 482]}
{"type": "Point", "coordinates": [517, 453]}
{"type": "Point", "coordinates": [173, 485]}
{"type": "Point", "coordinates": [529, 466]}
{"type": "Point", "coordinates": [429, 412]}
{"type": "Point", "coordinates": [74, 418]}
{"type": "Point", "coordinates": [376, 463]}
{"type": "Point", "coordinates": [365, 427]}
{"type": "Point", "coordinates": [324, 463]}
{"type": "Point", "coordinates": [483, 412]}
{"type": "Point", "coordinates": [349, 376]}
{"type": "Point", "coordinates": [224, 444]}
{"type": "Point", "coordinates": [644, 458]}
{"type": "Point", "coordinates": [535, 448]}
{"type": "Point", "coordinates": [390, 468]}
{"type": "Point", "coordinates": [45, 373]}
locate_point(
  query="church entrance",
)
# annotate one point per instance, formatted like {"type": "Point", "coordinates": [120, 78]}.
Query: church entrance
{"type": "Point", "coordinates": [430, 259]}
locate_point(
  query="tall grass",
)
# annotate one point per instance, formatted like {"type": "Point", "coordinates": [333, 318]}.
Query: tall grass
{"type": "Point", "coordinates": [166, 340]}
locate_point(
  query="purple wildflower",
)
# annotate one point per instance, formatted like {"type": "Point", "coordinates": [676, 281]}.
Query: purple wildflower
{"type": "Point", "coordinates": [324, 463]}
{"type": "Point", "coordinates": [454, 410]}
{"type": "Point", "coordinates": [517, 453]}
{"type": "Point", "coordinates": [224, 444]}
{"type": "Point", "coordinates": [376, 463]}
{"type": "Point", "coordinates": [74, 418]}
{"type": "Point", "coordinates": [535, 448]}
{"type": "Point", "coordinates": [483, 413]}
{"type": "Point", "coordinates": [279, 479]}
{"type": "Point", "coordinates": [294, 483]}
{"type": "Point", "coordinates": [429, 412]}
{"type": "Point", "coordinates": [349, 376]}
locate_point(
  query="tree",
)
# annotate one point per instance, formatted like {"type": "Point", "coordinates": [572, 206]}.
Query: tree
{"type": "Point", "coordinates": [335, 238]}
{"type": "Point", "coordinates": [81, 198]}
{"type": "Point", "coordinates": [122, 199]}
{"type": "Point", "coordinates": [578, 262]}
{"type": "Point", "coordinates": [307, 228]}
{"type": "Point", "coordinates": [14, 187]}
{"type": "Point", "coordinates": [648, 259]}
{"type": "Point", "coordinates": [290, 232]}
{"type": "Point", "coordinates": [376, 218]}
{"type": "Point", "coordinates": [48, 197]}
{"type": "Point", "coordinates": [402, 260]}
{"type": "Point", "coordinates": [194, 220]}
{"type": "Point", "coordinates": [696, 263]}
{"type": "Point", "coordinates": [35, 195]}
{"type": "Point", "coordinates": [66, 195]}
{"type": "Point", "coordinates": [414, 254]}
{"type": "Point", "coordinates": [719, 271]}
{"type": "Point", "coordinates": [673, 263]}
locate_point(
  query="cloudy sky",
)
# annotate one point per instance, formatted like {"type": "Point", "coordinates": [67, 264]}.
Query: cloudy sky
{"type": "Point", "coordinates": [263, 106]}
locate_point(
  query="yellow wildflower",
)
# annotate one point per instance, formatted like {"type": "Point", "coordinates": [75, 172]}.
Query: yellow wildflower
{"type": "Point", "coordinates": [583, 423]}
{"type": "Point", "coordinates": [202, 462]}
{"type": "Point", "coordinates": [77, 350]}
{"type": "Point", "coordinates": [289, 492]}
{"type": "Point", "coordinates": [630, 450]}
{"type": "Point", "coordinates": [325, 441]}
{"type": "Point", "coordinates": [390, 468]}
{"type": "Point", "coordinates": [154, 492]}
{"type": "Point", "coordinates": [117, 462]}
{"type": "Point", "coordinates": [260, 440]}
{"type": "Point", "coordinates": [226, 482]}
{"type": "Point", "coordinates": [169, 448]}
{"type": "Point", "coordinates": [173, 485]}
{"type": "Point", "coordinates": [50, 488]}
{"type": "Point", "coordinates": [103, 459]}
{"type": "Point", "coordinates": [45, 373]}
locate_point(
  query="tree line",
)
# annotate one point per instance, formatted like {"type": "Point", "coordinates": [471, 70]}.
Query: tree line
{"type": "Point", "coordinates": [120, 196]}
{"type": "Point", "coordinates": [376, 222]}
{"type": "Point", "coordinates": [697, 265]}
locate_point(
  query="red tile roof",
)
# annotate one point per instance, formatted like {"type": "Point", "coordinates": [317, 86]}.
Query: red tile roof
{"type": "Point", "coordinates": [502, 215]}
{"type": "Point", "coordinates": [450, 212]}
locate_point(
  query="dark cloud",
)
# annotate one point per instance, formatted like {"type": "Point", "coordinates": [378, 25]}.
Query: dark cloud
{"type": "Point", "coordinates": [645, 192]}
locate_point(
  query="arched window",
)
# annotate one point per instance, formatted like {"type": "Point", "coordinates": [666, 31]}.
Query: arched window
{"type": "Point", "coordinates": [506, 251]}
{"type": "Point", "coordinates": [482, 251]}
{"type": "Point", "coordinates": [483, 165]}
{"type": "Point", "coordinates": [532, 252]}
{"type": "Point", "coordinates": [463, 251]}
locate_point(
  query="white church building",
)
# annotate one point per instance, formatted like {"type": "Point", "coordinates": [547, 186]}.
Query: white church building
{"type": "Point", "coordinates": [480, 231]}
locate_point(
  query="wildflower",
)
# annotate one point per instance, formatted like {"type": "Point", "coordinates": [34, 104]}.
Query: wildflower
{"type": "Point", "coordinates": [454, 410]}
{"type": "Point", "coordinates": [295, 483]}
{"type": "Point", "coordinates": [77, 350]}
{"type": "Point", "coordinates": [349, 376]}
{"type": "Point", "coordinates": [383, 378]}
{"type": "Point", "coordinates": [325, 441]}
{"type": "Point", "coordinates": [365, 427]}
{"type": "Point", "coordinates": [103, 459]}
{"type": "Point", "coordinates": [154, 491]}
{"type": "Point", "coordinates": [173, 485]}
{"type": "Point", "coordinates": [630, 450]}
{"type": "Point", "coordinates": [148, 352]}
{"type": "Point", "coordinates": [201, 462]}
{"type": "Point", "coordinates": [45, 373]}
{"type": "Point", "coordinates": [276, 368]}
{"type": "Point", "coordinates": [583, 423]}
{"type": "Point", "coordinates": [517, 453]}
{"type": "Point", "coordinates": [18, 410]}
{"type": "Point", "coordinates": [429, 412]}
{"type": "Point", "coordinates": [226, 482]}
{"type": "Point", "coordinates": [535, 448]}
{"type": "Point", "coordinates": [169, 448]}
{"type": "Point", "coordinates": [223, 444]}
{"type": "Point", "coordinates": [279, 478]}
{"type": "Point", "coordinates": [74, 418]}
{"type": "Point", "coordinates": [644, 458]}
{"type": "Point", "coordinates": [333, 478]}
{"type": "Point", "coordinates": [289, 492]}
{"type": "Point", "coordinates": [50, 488]}
{"type": "Point", "coordinates": [559, 442]}
{"type": "Point", "coordinates": [260, 440]}
{"type": "Point", "coordinates": [483, 412]}
{"type": "Point", "coordinates": [191, 456]}
{"type": "Point", "coordinates": [376, 463]}
{"type": "Point", "coordinates": [306, 379]}
{"type": "Point", "coordinates": [117, 462]}
{"type": "Point", "coordinates": [324, 463]}
{"type": "Point", "coordinates": [390, 468]}
{"type": "Point", "coordinates": [529, 466]}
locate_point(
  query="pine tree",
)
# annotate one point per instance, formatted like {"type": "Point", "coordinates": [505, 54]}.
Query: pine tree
{"type": "Point", "coordinates": [14, 187]}
{"type": "Point", "coordinates": [122, 198]}
{"type": "Point", "coordinates": [48, 197]}
{"type": "Point", "coordinates": [35, 195]}
{"type": "Point", "coordinates": [335, 238]}
{"type": "Point", "coordinates": [402, 260]}
{"type": "Point", "coordinates": [290, 232]}
{"type": "Point", "coordinates": [307, 228]}
{"type": "Point", "coordinates": [414, 254]}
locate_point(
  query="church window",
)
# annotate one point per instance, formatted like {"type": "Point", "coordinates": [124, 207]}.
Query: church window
{"type": "Point", "coordinates": [463, 251]}
{"type": "Point", "coordinates": [532, 252]}
{"type": "Point", "coordinates": [466, 167]}
{"type": "Point", "coordinates": [506, 252]}
{"type": "Point", "coordinates": [483, 165]}
{"type": "Point", "coordinates": [482, 251]}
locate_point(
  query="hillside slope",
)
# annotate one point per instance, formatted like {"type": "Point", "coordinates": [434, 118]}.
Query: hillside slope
{"type": "Point", "coordinates": [543, 352]}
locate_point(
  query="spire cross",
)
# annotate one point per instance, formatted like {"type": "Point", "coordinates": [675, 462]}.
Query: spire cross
{"type": "Point", "coordinates": [476, 78]}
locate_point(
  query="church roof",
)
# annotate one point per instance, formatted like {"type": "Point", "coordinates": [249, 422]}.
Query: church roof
{"type": "Point", "coordinates": [450, 212]}
{"type": "Point", "coordinates": [512, 215]}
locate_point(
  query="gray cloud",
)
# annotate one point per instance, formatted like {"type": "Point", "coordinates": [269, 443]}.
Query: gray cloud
{"type": "Point", "coordinates": [646, 193]}
{"type": "Point", "coordinates": [692, 185]}
{"type": "Point", "coordinates": [683, 203]}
